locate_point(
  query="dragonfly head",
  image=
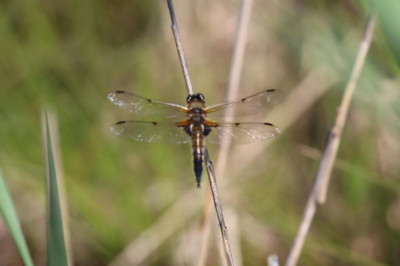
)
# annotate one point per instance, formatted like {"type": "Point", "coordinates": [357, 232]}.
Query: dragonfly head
{"type": "Point", "coordinates": [196, 97]}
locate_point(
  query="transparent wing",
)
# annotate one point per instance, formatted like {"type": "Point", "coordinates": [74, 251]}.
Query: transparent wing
{"type": "Point", "coordinates": [241, 133]}
{"type": "Point", "coordinates": [151, 132]}
{"type": "Point", "coordinates": [251, 105]}
{"type": "Point", "coordinates": [145, 107]}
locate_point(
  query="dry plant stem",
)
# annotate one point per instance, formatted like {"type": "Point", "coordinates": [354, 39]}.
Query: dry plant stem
{"type": "Point", "coordinates": [318, 193]}
{"type": "Point", "coordinates": [218, 208]}
{"type": "Point", "coordinates": [179, 47]}
{"type": "Point", "coordinates": [235, 233]}
{"type": "Point", "coordinates": [334, 136]}
{"type": "Point", "coordinates": [238, 53]}
{"type": "Point", "coordinates": [232, 92]}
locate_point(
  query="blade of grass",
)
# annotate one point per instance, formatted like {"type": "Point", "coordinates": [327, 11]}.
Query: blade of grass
{"type": "Point", "coordinates": [56, 251]}
{"type": "Point", "coordinates": [53, 127]}
{"type": "Point", "coordinates": [10, 218]}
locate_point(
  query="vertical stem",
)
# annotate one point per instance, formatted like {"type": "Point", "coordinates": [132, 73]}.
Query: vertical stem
{"type": "Point", "coordinates": [218, 209]}
{"type": "Point", "coordinates": [238, 53]}
{"type": "Point", "coordinates": [344, 106]}
{"type": "Point", "coordinates": [179, 48]}
{"type": "Point", "coordinates": [318, 193]}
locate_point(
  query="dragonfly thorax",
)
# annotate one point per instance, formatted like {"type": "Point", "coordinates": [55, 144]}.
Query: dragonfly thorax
{"type": "Point", "coordinates": [196, 115]}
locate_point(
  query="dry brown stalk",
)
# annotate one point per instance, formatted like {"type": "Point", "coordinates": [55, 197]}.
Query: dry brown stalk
{"type": "Point", "coordinates": [179, 48]}
{"type": "Point", "coordinates": [318, 193]}
{"type": "Point", "coordinates": [218, 208]}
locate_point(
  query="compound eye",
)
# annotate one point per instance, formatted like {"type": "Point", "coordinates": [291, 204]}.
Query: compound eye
{"type": "Point", "coordinates": [189, 98]}
{"type": "Point", "coordinates": [201, 97]}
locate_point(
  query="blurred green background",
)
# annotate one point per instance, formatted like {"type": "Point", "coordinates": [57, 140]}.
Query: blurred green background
{"type": "Point", "coordinates": [68, 55]}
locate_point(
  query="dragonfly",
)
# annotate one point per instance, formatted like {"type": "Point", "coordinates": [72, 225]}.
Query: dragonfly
{"type": "Point", "coordinates": [163, 122]}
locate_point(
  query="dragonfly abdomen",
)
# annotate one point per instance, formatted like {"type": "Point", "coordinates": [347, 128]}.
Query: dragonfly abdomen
{"type": "Point", "coordinates": [197, 138]}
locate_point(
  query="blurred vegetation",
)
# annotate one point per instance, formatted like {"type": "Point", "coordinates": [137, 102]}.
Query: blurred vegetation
{"type": "Point", "coordinates": [68, 55]}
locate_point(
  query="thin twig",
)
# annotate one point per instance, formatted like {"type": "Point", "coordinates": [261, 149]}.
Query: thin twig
{"type": "Point", "coordinates": [179, 48]}
{"type": "Point", "coordinates": [210, 170]}
{"type": "Point", "coordinates": [218, 208]}
{"type": "Point", "coordinates": [318, 193]}
{"type": "Point", "coordinates": [238, 52]}
{"type": "Point", "coordinates": [334, 136]}
{"type": "Point", "coordinates": [232, 91]}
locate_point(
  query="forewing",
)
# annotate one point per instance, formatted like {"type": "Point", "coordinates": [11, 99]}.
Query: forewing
{"type": "Point", "coordinates": [255, 104]}
{"type": "Point", "coordinates": [241, 133]}
{"type": "Point", "coordinates": [147, 108]}
{"type": "Point", "coordinates": [151, 132]}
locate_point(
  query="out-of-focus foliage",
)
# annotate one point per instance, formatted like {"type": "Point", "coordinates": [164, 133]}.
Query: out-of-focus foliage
{"type": "Point", "coordinates": [10, 218]}
{"type": "Point", "coordinates": [69, 54]}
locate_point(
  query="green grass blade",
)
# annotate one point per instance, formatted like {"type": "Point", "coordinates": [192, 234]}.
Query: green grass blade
{"type": "Point", "coordinates": [56, 250]}
{"type": "Point", "coordinates": [10, 218]}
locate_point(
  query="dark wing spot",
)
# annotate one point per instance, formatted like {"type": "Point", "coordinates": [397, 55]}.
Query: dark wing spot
{"type": "Point", "coordinates": [148, 100]}
{"type": "Point", "coordinates": [120, 92]}
{"type": "Point", "coordinates": [243, 100]}
{"type": "Point", "coordinates": [236, 124]}
{"type": "Point", "coordinates": [268, 124]}
{"type": "Point", "coordinates": [154, 123]}
{"type": "Point", "coordinates": [271, 90]}
{"type": "Point", "coordinates": [120, 122]}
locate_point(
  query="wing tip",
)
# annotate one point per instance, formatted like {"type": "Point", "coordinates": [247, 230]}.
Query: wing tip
{"type": "Point", "coordinates": [276, 129]}
{"type": "Point", "coordinates": [116, 130]}
{"type": "Point", "coordinates": [112, 95]}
